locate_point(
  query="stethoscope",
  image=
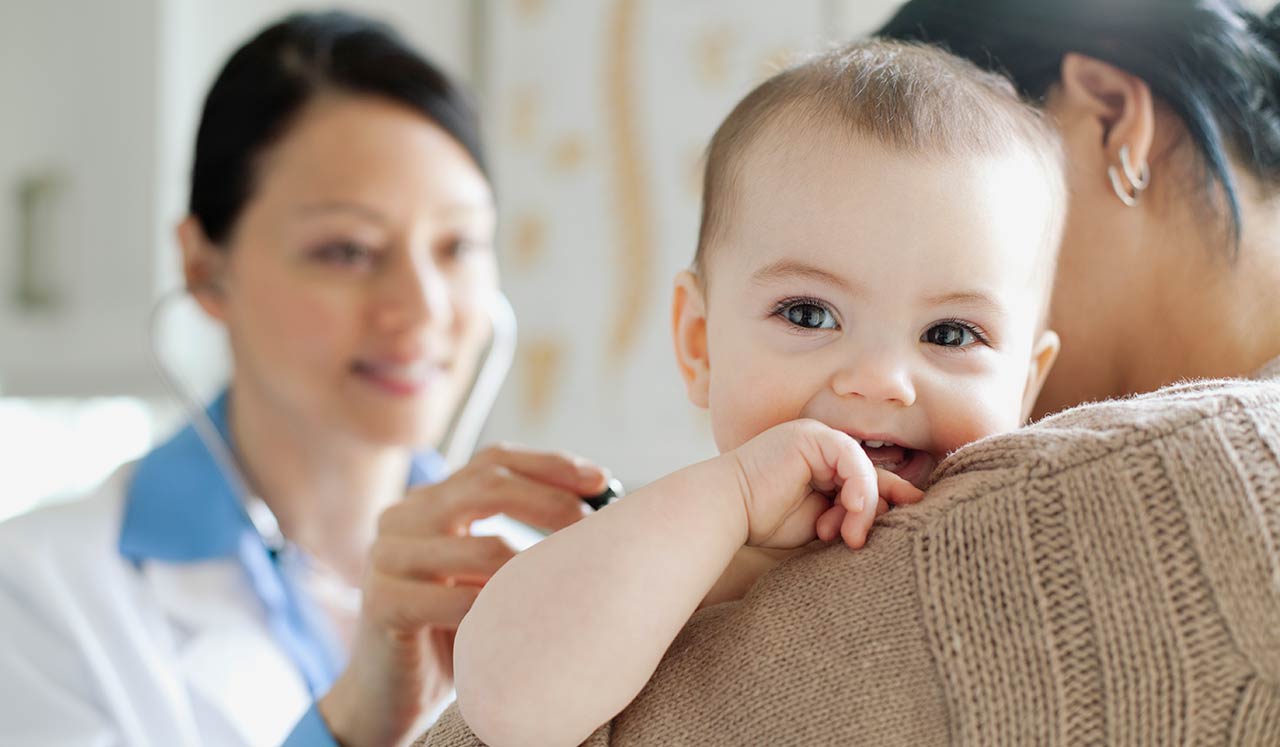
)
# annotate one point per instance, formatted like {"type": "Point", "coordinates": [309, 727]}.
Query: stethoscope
{"type": "Point", "coordinates": [457, 447]}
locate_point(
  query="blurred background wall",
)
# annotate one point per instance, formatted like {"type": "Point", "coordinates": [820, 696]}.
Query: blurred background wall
{"type": "Point", "coordinates": [97, 126]}
{"type": "Point", "coordinates": [597, 114]}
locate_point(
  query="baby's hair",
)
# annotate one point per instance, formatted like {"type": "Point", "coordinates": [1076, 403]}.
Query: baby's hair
{"type": "Point", "coordinates": [906, 96]}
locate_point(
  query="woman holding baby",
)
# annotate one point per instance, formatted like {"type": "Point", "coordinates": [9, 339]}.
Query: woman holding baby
{"type": "Point", "coordinates": [1108, 575]}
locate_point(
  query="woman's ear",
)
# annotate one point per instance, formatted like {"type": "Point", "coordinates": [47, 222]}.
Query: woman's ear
{"type": "Point", "coordinates": [1117, 106]}
{"type": "Point", "coordinates": [1043, 355]}
{"type": "Point", "coordinates": [203, 266]}
{"type": "Point", "coordinates": [689, 332]}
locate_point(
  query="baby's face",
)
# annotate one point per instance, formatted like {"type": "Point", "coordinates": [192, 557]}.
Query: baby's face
{"type": "Point", "coordinates": [895, 297]}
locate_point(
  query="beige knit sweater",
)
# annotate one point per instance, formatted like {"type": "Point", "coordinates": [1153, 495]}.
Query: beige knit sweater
{"type": "Point", "coordinates": [1108, 576]}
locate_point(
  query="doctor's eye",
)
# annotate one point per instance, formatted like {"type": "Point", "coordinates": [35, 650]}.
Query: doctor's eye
{"type": "Point", "coordinates": [345, 254]}
{"type": "Point", "coordinates": [806, 313]}
{"type": "Point", "coordinates": [954, 333]}
{"type": "Point", "coordinates": [459, 247]}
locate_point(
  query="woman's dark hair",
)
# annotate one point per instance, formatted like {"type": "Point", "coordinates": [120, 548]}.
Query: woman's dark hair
{"type": "Point", "coordinates": [269, 80]}
{"type": "Point", "coordinates": [1214, 62]}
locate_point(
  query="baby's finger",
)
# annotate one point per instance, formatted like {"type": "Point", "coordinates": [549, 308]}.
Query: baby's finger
{"type": "Point", "coordinates": [832, 457]}
{"type": "Point", "coordinates": [861, 506]}
{"type": "Point", "coordinates": [828, 526]}
{"type": "Point", "coordinates": [857, 524]}
{"type": "Point", "coordinates": [849, 469]}
{"type": "Point", "coordinates": [895, 489]}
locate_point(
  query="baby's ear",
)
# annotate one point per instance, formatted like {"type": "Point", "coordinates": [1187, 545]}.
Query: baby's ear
{"type": "Point", "coordinates": [1043, 354]}
{"type": "Point", "coordinates": [689, 332]}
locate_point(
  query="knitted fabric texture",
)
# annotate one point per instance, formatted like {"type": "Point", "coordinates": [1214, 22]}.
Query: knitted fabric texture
{"type": "Point", "coordinates": [1109, 575]}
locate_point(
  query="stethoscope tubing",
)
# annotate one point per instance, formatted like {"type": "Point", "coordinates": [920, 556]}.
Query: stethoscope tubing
{"type": "Point", "coordinates": [458, 445]}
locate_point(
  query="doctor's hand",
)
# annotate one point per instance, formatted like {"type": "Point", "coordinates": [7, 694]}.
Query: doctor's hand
{"type": "Point", "coordinates": [423, 574]}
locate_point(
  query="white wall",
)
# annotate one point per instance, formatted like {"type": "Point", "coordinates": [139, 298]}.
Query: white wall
{"type": "Point", "coordinates": [80, 101]}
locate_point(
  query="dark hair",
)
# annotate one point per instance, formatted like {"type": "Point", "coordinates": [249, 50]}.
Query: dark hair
{"type": "Point", "coordinates": [910, 98]}
{"type": "Point", "coordinates": [1212, 61]}
{"type": "Point", "coordinates": [269, 80]}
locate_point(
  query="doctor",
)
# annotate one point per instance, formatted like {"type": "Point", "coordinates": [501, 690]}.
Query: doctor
{"type": "Point", "coordinates": [340, 228]}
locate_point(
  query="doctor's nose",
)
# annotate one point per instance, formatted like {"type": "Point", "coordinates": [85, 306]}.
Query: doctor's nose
{"type": "Point", "coordinates": [875, 378]}
{"type": "Point", "coordinates": [413, 294]}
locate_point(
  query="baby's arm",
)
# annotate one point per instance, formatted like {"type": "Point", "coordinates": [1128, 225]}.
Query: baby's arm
{"type": "Point", "coordinates": [747, 566]}
{"type": "Point", "coordinates": [567, 633]}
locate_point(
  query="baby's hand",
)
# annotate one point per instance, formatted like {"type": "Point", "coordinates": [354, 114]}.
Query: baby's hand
{"type": "Point", "coordinates": [789, 475]}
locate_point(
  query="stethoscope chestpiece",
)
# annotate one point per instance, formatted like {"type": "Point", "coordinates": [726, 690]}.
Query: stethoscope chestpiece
{"type": "Point", "coordinates": [612, 492]}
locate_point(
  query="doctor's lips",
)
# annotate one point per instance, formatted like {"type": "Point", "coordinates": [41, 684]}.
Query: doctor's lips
{"type": "Point", "coordinates": [403, 379]}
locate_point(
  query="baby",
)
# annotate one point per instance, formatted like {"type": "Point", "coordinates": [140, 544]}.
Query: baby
{"type": "Point", "coordinates": [869, 294]}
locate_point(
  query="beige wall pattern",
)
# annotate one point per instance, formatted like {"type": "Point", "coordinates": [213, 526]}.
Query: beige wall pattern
{"type": "Point", "coordinates": [634, 218]}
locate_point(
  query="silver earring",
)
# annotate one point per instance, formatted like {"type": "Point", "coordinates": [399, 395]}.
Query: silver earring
{"type": "Point", "coordinates": [1138, 181]}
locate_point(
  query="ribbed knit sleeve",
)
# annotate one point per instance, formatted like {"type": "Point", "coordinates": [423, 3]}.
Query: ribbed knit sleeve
{"type": "Point", "coordinates": [1110, 575]}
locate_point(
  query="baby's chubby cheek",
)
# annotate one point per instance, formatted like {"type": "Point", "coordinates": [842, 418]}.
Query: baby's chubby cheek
{"type": "Point", "coordinates": [969, 419]}
{"type": "Point", "coordinates": [740, 413]}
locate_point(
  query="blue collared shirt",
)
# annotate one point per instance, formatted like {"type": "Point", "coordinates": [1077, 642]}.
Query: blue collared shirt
{"type": "Point", "coordinates": [181, 508]}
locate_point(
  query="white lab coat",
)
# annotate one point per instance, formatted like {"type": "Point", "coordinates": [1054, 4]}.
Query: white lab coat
{"type": "Point", "coordinates": [97, 652]}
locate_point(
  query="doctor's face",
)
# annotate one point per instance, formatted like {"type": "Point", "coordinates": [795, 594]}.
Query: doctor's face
{"type": "Point", "coordinates": [357, 278]}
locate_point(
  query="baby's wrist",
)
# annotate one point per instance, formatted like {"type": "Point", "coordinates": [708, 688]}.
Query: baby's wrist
{"type": "Point", "coordinates": [733, 491]}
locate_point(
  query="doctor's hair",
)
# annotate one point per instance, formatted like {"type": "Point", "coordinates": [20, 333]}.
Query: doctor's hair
{"type": "Point", "coordinates": [1213, 62]}
{"type": "Point", "coordinates": [908, 98]}
{"type": "Point", "coordinates": [267, 82]}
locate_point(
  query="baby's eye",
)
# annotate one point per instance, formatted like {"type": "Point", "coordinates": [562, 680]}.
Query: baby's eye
{"type": "Point", "coordinates": [952, 335]}
{"type": "Point", "coordinates": [809, 316]}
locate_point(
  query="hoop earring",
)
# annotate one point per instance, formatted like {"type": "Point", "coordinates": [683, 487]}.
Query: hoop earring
{"type": "Point", "coordinates": [1130, 200]}
{"type": "Point", "coordinates": [1138, 182]}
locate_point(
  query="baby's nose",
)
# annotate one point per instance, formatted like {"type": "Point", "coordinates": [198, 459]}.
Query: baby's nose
{"type": "Point", "coordinates": [877, 379]}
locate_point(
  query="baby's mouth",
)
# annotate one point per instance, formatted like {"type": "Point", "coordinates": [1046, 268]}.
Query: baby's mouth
{"type": "Point", "coordinates": [887, 456]}
{"type": "Point", "coordinates": [912, 465]}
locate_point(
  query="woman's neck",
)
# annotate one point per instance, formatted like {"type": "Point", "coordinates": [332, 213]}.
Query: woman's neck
{"type": "Point", "coordinates": [325, 488]}
{"type": "Point", "coordinates": [1215, 313]}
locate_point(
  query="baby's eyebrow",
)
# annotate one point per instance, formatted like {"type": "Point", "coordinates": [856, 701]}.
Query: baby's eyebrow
{"type": "Point", "coordinates": [791, 269]}
{"type": "Point", "coordinates": [967, 298]}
